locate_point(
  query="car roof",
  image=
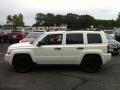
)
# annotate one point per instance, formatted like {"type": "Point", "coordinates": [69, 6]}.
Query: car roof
{"type": "Point", "coordinates": [57, 32]}
{"type": "Point", "coordinates": [36, 32]}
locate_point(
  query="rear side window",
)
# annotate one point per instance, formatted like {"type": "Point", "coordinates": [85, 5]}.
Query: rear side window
{"type": "Point", "coordinates": [94, 38]}
{"type": "Point", "coordinates": [74, 38]}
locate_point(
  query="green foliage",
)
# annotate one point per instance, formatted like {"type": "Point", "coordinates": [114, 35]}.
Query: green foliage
{"type": "Point", "coordinates": [86, 21]}
{"type": "Point", "coordinates": [105, 24]}
{"type": "Point", "coordinates": [15, 20]}
{"type": "Point", "coordinates": [59, 19]}
{"type": "Point", "coordinates": [118, 20]}
{"type": "Point", "coordinates": [9, 19]}
{"type": "Point", "coordinates": [40, 19]}
{"type": "Point", "coordinates": [73, 21]}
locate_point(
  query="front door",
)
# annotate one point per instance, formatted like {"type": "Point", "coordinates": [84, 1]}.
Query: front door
{"type": "Point", "coordinates": [50, 50]}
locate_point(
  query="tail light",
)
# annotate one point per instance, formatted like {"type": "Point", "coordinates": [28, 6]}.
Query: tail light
{"type": "Point", "coordinates": [109, 49]}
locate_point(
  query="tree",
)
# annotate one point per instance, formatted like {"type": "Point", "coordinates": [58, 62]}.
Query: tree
{"type": "Point", "coordinates": [50, 19]}
{"type": "Point", "coordinates": [21, 23]}
{"type": "Point", "coordinates": [40, 19]}
{"type": "Point", "coordinates": [105, 24]}
{"type": "Point", "coordinates": [15, 20]}
{"type": "Point", "coordinates": [74, 21]}
{"type": "Point", "coordinates": [85, 21]}
{"type": "Point", "coordinates": [9, 20]}
{"type": "Point", "coordinates": [45, 19]}
{"type": "Point", "coordinates": [59, 20]}
{"type": "Point", "coordinates": [118, 20]}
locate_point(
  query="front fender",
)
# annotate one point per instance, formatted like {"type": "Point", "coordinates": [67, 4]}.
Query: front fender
{"type": "Point", "coordinates": [24, 51]}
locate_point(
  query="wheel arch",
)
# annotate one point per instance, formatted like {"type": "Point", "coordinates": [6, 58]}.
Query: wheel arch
{"type": "Point", "coordinates": [25, 54]}
{"type": "Point", "coordinates": [93, 54]}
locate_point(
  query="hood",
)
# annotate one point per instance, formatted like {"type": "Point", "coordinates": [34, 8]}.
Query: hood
{"type": "Point", "coordinates": [21, 45]}
{"type": "Point", "coordinates": [27, 40]}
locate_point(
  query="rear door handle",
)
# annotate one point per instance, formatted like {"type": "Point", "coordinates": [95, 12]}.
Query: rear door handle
{"type": "Point", "coordinates": [79, 48]}
{"type": "Point", "coordinates": [57, 48]}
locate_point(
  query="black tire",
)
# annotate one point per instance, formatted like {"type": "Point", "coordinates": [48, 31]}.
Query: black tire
{"type": "Point", "coordinates": [22, 63]}
{"type": "Point", "coordinates": [91, 63]}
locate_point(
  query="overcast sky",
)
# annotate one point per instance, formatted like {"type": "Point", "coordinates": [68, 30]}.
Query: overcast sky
{"type": "Point", "coordinates": [100, 9]}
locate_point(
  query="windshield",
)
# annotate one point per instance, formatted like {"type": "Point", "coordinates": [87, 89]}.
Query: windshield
{"type": "Point", "coordinates": [38, 38]}
{"type": "Point", "coordinates": [34, 34]}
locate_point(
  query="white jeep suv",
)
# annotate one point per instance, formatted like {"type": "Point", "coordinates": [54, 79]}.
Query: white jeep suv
{"type": "Point", "coordinates": [89, 49]}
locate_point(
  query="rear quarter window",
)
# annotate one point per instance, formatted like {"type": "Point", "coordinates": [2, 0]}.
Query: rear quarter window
{"type": "Point", "coordinates": [94, 38]}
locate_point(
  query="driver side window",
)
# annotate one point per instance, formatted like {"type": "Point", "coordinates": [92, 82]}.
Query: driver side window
{"type": "Point", "coordinates": [53, 39]}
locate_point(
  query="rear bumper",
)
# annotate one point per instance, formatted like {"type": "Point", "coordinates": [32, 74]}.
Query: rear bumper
{"type": "Point", "coordinates": [106, 58]}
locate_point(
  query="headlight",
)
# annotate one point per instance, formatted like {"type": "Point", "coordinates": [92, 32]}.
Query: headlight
{"type": "Point", "coordinates": [9, 51]}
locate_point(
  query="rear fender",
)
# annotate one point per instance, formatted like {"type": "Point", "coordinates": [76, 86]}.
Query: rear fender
{"type": "Point", "coordinates": [90, 52]}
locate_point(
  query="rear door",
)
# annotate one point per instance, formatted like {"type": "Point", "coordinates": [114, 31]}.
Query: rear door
{"type": "Point", "coordinates": [73, 48]}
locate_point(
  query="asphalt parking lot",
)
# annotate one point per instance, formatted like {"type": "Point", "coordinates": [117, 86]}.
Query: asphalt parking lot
{"type": "Point", "coordinates": [59, 78]}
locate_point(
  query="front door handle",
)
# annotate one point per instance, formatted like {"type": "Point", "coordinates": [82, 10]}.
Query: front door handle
{"type": "Point", "coordinates": [79, 48]}
{"type": "Point", "coordinates": [57, 48]}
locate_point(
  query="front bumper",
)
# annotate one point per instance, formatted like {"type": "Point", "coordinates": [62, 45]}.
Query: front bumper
{"type": "Point", "coordinates": [8, 58]}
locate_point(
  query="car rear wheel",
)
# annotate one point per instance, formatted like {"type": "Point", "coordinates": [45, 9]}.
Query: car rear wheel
{"type": "Point", "coordinates": [22, 63]}
{"type": "Point", "coordinates": [90, 63]}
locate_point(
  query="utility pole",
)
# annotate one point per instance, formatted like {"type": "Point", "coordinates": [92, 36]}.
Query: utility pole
{"type": "Point", "coordinates": [118, 20]}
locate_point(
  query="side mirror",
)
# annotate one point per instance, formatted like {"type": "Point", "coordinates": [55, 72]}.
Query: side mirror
{"type": "Point", "coordinates": [39, 43]}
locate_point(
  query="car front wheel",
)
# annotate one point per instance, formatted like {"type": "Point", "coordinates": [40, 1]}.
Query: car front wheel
{"type": "Point", "coordinates": [22, 63]}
